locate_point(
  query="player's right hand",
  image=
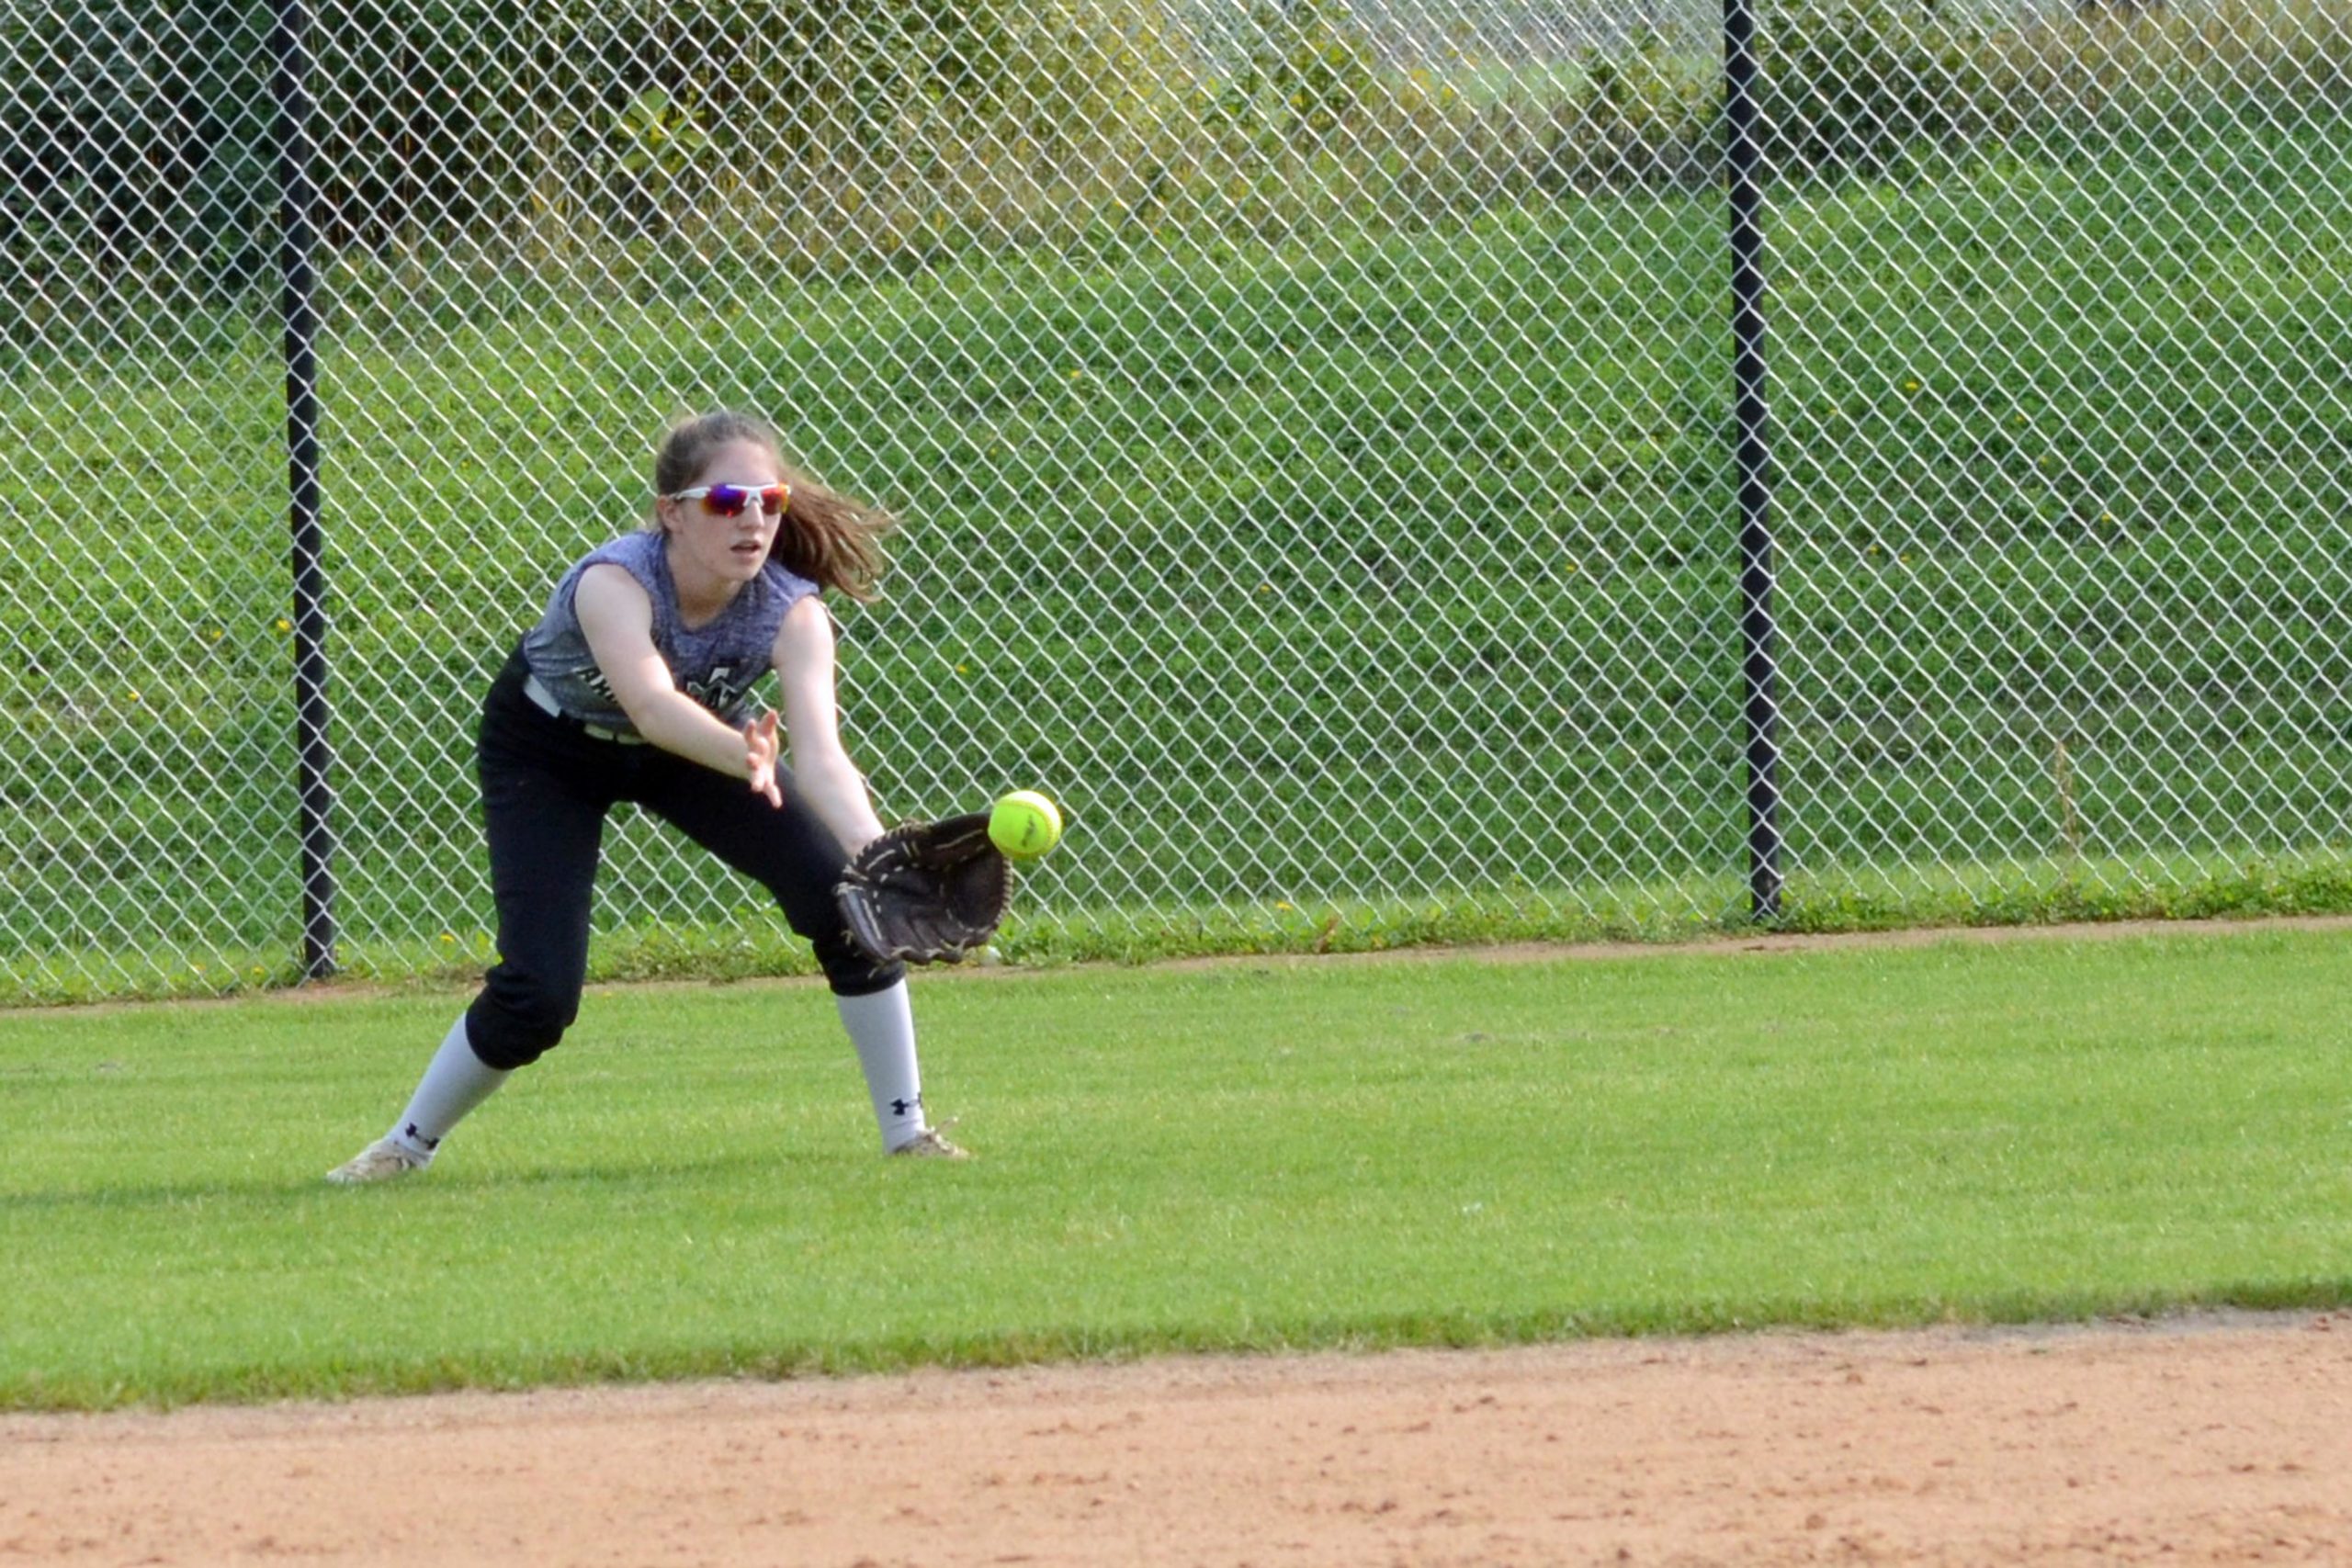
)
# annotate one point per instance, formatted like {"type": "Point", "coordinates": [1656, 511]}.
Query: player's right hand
{"type": "Point", "coordinates": [759, 757]}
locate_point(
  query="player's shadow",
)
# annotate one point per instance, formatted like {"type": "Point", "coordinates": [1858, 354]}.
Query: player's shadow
{"type": "Point", "coordinates": [312, 1183]}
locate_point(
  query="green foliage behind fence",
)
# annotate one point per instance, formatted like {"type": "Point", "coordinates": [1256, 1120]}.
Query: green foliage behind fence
{"type": "Point", "coordinates": [1335, 566]}
{"type": "Point", "coordinates": [1316, 469]}
{"type": "Point", "coordinates": [899, 135]}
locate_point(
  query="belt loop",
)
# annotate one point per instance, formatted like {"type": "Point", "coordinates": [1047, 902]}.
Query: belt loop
{"type": "Point", "coordinates": [541, 699]}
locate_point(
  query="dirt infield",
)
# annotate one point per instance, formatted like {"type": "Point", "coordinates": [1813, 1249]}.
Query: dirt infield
{"type": "Point", "coordinates": [2220, 1439]}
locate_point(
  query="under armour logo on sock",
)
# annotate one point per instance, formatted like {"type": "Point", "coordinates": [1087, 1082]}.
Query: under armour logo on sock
{"type": "Point", "coordinates": [428, 1145]}
{"type": "Point", "coordinates": [901, 1107]}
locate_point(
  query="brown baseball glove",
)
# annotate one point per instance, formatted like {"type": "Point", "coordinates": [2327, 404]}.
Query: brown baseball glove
{"type": "Point", "coordinates": [926, 892]}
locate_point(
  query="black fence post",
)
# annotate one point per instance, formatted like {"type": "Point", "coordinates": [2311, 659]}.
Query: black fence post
{"type": "Point", "coordinates": [290, 85]}
{"type": "Point", "coordinates": [1758, 663]}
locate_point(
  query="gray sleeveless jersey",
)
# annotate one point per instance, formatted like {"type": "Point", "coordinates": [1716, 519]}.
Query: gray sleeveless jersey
{"type": "Point", "coordinates": [714, 664]}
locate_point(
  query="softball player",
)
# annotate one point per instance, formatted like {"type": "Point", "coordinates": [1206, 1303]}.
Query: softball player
{"type": "Point", "coordinates": [633, 687]}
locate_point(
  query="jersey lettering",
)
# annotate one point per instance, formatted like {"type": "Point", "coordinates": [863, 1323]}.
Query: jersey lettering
{"type": "Point", "coordinates": [721, 689]}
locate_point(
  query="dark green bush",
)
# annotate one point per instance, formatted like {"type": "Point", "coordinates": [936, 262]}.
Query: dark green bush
{"type": "Point", "coordinates": [1858, 86]}
{"type": "Point", "coordinates": [139, 144]}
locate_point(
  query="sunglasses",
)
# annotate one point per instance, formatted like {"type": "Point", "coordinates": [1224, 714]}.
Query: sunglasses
{"type": "Point", "coordinates": [729, 500]}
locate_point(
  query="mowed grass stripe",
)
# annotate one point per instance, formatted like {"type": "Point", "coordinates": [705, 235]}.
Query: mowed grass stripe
{"type": "Point", "coordinates": [1244, 1156]}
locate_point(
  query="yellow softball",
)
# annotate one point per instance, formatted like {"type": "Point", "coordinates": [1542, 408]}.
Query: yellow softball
{"type": "Point", "coordinates": [1025, 824]}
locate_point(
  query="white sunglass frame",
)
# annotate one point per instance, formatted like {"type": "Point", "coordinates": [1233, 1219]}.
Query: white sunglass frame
{"type": "Point", "coordinates": [702, 494]}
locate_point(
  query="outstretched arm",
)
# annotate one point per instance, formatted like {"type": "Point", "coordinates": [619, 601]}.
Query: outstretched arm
{"type": "Point", "coordinates": [618, 619]}
{"type": "Point", "coordinates": [828, 779]}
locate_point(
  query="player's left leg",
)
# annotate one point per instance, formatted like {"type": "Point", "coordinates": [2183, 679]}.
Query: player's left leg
{"type": "Point", "coordinates": [455, 1082]}
{"type": "Point", "coordinates": [788, 851]}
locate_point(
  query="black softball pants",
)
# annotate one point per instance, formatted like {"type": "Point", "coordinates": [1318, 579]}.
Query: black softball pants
{"type": "Point", "coordinates": [547, 787]}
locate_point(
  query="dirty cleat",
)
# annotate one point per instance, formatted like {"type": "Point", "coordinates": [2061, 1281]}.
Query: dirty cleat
{"type": "Point", "coordinates": [382, 1160]}
{"type": "Point", "coordinates": [932, 1142]}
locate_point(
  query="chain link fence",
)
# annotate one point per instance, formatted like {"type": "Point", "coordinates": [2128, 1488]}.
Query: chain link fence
{"type": "Point", "coordinates": [1311, 426]}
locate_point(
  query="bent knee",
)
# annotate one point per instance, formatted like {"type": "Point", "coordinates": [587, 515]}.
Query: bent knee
{"type": "Point", "coordinates": [514, 1026]}
{"type": "Point", "coordinates": [851, 970]}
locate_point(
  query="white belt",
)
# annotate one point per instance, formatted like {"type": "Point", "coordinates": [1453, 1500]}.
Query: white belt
{"type": "Point", "coordinates": [544, 699]}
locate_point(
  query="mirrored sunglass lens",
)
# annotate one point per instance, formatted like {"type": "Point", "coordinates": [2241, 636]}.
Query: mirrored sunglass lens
{"type": "Point", "coordinates": [729, 500]}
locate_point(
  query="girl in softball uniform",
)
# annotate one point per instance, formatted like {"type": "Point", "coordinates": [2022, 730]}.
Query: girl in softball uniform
{"type": "Point", "coordinates": [633, 687]}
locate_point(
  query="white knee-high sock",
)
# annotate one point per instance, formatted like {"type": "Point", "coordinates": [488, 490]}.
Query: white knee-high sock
{"type": "Point", "coordinates": [882, 1027]}
{"type": "Point", "coordinates": [455, 1082]}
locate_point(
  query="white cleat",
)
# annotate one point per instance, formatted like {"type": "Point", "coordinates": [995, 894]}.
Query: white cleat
{"type": "Point", "coordinates": [382, 1160]}
{"type": "Point", "coordinates": [932, 1142]}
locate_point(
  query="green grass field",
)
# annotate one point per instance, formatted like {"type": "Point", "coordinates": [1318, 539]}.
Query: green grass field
{"type": "Point", "coordinates": [1251, 1155]}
